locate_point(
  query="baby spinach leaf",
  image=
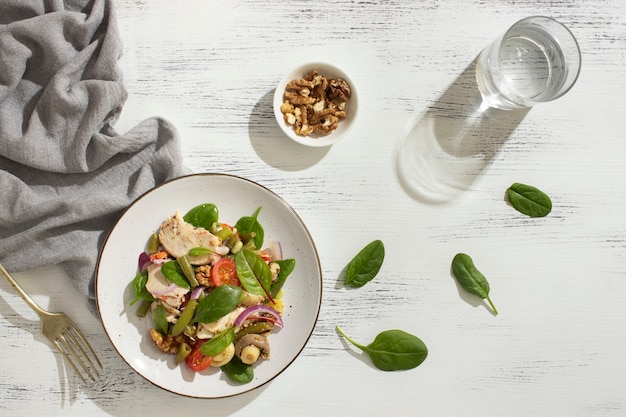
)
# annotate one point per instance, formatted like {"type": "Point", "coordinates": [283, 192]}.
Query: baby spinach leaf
{"type": "Point", "coordinates": [470, 278]}
{"type": "Point", "coordinates": [172, 271]}
{"type": "Point", "coordinates": [238, 371]}
{"type": "Point", "coordinates": [393, 350]}
{"type": "Point", "coordinates": [286, 268]}
{"type": "Point", "coordinates": [250, 228]}
{"type": "Point", "coordinates": [253, 272]}
{"type": "Point", "coordinates": [219, 302]}
{"type": "Point", "coordinates": [218, 343]}
{"type": "Point", "coordinates": [160, 319]}
{"type": "Point", "coordinates": [203, 216]}
{"type": "Point", "coordinates": [139, 286]}
{"type": "Point", "coordinates": [199, 251]}
{"type": "Point", "coordinates": [365, 265]}
{"type": "Point", "coordinates": [529, 200]}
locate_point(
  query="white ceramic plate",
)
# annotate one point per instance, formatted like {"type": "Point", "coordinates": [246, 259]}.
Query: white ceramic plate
{"type": "Point", "coordinates": [235, 197]}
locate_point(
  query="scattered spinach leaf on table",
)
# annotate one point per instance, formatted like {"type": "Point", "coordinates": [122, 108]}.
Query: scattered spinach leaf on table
{"type": "Point", "coordinates": [393, 350]}
{"type": "Point", "coordinates": [529, 200]}
{"type": "Point", "coordinates": [365, 265]}
{"type": "Point", "coordinates": [470, 278]}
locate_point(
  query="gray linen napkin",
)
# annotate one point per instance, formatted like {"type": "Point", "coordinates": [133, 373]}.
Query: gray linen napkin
{"type": "Point", "coordinates": [65, 174]}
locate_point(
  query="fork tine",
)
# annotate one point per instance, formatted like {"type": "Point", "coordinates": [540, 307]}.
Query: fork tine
{"type": "Point", "coordinates": [73, 350]}
{"type": "Point", "coordinates": [84, 343]}
{"type": "Point", "coordinates": [68, 358]}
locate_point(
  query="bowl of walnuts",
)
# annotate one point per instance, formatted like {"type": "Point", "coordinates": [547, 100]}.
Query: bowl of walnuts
{"type": "Point", "coordinates": [315, 104]}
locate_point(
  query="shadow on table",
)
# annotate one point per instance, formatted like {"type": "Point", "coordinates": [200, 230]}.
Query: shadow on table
{"type": "Point", "coordinates": [273, 146]}
{"type": "Point", "coordinates": [443, 151]}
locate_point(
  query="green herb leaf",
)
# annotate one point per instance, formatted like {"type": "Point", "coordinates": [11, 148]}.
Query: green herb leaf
{"type": "Point", "coordinates": [365, 265]}
{"type": "Point", "coordinates": [160, 319]}
{"type": "Point", "coordinates": [253, 272]}
{"type": "Point", "coordinates": [529, 200]}
{"type": "Point", "coordinates": [172, 271]}
{"type": "Point", "coordinates": [470, 278]}
{"type": "Point", "coordinates": [238, 371]}
{"type": "Point", "coordinates": [203, 216]}
{"type": "Point", "coordinates": [199, 251]}
{"type": "Point", "coordinates": [393, 350]}
{"type": "Point", "coordinates": [218, 303]}
{"type": "Point", "coordinates": [139, 287]}
{"type": "Point", "coordinates": [250, 228]}
{"type": "Point", "coordinates": [286, 268]}
{"type": "Point", "coordinates": [218, 343]}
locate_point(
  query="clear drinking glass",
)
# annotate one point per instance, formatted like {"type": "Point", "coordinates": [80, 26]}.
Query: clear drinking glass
{"type": "Point", "coordinates": [535, 61]}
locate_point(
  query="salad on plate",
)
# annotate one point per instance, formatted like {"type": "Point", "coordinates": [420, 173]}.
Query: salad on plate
{"type": "Point", "coordinates": [213, 291]}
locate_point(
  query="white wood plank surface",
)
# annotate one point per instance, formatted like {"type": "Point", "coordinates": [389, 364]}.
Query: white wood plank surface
{"type": "Point", "coordinates": [557, 346]}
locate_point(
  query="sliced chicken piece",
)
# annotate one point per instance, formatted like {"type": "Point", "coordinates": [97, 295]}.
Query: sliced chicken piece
{"type": "Point", "coordinates": [161, 288]}
{"type": "Point", "coordinates": [208, 330]}
{"type": "Point", "coordinates": [178, 237]}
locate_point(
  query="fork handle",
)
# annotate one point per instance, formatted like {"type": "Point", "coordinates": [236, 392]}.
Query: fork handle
{"type": "Point", "coordinates": [20, 291]}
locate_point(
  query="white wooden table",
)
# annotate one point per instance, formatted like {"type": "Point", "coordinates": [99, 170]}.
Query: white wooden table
{"type": "Point", "coordinates": [557, 346]}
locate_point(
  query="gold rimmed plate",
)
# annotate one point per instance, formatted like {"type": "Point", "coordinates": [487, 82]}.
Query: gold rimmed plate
{"type": "Point", "coordinates": [235, 197]}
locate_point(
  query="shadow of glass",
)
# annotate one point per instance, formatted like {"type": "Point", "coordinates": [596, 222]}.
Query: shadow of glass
{"type": "Point", "coordinates": [442, 152]}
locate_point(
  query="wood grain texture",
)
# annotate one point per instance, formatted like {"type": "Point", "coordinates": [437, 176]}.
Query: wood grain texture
{"type": "Point", "coordinates": [556, 348]}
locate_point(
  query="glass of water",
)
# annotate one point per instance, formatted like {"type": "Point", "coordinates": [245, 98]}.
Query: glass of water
{"type": "Point", "coordinates": [535, 61]}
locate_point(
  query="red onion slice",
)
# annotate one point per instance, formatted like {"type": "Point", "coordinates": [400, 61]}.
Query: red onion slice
{"type": "Point", "coordinates": [275, 250]}
{"type": "Point", "coordinates": [195, 294]}
{"type": "Point", "coordinates": [144, 261]}
{"type": "Point", "coordinates": [261, 308]}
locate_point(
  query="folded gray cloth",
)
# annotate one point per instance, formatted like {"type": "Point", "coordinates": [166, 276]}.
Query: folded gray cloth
{"type": "Point", "coordinates": [65, 174]}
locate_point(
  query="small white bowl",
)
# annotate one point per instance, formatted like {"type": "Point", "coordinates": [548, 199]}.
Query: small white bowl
{"type": "Point", "coordinates": [344, 127]}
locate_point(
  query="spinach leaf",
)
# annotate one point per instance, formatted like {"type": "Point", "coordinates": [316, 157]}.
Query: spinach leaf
{"type": "Point", "coordinates": [199, 251]}
{"type": "Point", "coordinates": [203, 216]}
{"type": "Point", "coordinates": [470, 278]}
{"type": "Point", "coordinates": [139, 287]}
{"type": "Point", "coordinates": [218, 303]}
{"type": "Point", "coordinates": [160, 319]}
{"type": "Point", "coordinates": [253, 272]}
{"type": "Point", "coordinates": [529, 200]}
{"type": "Point", "coordinates": [172, 271]}
{"type": "Point", "coordinates": [218, 343]}
{"type": "Point", "coordinates": [249, 228]}
{"type": "Point", "coordinates": [286, 268]}
{"type": "Point", "coordinates": [365, 265]}
{"type": "Point", "coordinates": [393, 350]}
{"type": "Point", "coordinates": [238, 371]}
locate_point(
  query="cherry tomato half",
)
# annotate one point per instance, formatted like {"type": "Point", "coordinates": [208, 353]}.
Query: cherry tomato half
{"type": "Point", "coordinates": [196, 361]}
{"type": "Point", "coordinates": [224, 272]}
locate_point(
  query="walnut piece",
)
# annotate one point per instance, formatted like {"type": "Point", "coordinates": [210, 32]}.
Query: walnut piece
{"type": "Point", "coordinates": [203, 275]}
{"type": "Point", "coordinates": [314, 105]}
{"type": "Point", "coordinates": [167, 344]}
{"type": "Point", "coordinates": [339, 90]}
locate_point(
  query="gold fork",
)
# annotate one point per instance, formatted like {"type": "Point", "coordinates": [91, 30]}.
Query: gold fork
{"type": "Point", "coordinates": [64, 335]}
